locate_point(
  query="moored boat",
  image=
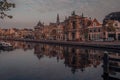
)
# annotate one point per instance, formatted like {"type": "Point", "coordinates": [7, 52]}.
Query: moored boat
{"type": "Point", "coordinates": [5, 45]}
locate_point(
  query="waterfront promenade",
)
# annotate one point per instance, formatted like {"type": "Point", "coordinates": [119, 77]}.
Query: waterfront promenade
{"type": "Point", "coordinates": [92, 44]}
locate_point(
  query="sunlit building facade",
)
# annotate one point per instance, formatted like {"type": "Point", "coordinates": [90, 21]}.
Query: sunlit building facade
{"type": "Point", "coordinates": [95, 30]}
{"type": "Point", "coordinates": [112, 30]}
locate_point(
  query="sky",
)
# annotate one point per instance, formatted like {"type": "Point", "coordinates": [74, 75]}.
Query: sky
{"type": "Point", "coordinates": [28, 12]}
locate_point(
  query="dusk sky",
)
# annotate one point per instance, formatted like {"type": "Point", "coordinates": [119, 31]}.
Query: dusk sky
{"type": "Point", "coordinates": [28, 12]}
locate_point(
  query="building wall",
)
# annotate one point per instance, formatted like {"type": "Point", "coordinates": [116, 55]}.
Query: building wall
{"type": "Point", "coordinates": [95, 33]}
{"type": "Point", "coordinates": [112, 30]}
{"type": "Point", "coordinates": [72, 28]}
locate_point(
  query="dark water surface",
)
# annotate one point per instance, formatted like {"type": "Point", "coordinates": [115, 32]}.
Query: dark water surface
{"type": "Point", "coordinates": [30, 61]}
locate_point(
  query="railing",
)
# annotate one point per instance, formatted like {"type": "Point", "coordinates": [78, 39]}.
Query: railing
{"type": "Point", "coordinates": [107, 67]}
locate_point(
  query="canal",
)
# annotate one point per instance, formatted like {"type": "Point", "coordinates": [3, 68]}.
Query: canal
{"type": "Point", "coordinates": [34, 61]}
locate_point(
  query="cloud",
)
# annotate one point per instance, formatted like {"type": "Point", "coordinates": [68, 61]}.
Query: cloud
{"type": "Point", "coordinates": [46, 10]}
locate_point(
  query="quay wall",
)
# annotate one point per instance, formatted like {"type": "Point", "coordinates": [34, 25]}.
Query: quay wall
{"type": "Point", "coordinates": [95, 44]}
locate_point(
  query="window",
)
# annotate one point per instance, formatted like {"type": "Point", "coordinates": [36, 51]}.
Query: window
{"type": "Point", "coordinates": [90, 30]}
{"type": "Point", "coordinates": [95, 30]}
{"type": "Point", "coordinates": [94, 24]}
{"type": "Point", "coordinates": [74, 24]}
{"type": "Point", "coordinates": [99, 30]}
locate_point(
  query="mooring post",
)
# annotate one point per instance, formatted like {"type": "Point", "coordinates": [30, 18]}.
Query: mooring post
{"type": "Point", "coordinates": [106, 66]}
{"type": "Point", "coordinates": [106, 62]}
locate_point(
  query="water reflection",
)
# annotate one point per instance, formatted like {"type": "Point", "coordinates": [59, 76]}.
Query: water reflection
{"type": "Point", "coordinates": [111, 66]}
{"type": "Point", "coordinates": [75, 58]}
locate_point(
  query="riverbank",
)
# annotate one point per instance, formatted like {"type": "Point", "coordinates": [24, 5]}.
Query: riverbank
{"type": "Point", "coordinates": [95, 44]}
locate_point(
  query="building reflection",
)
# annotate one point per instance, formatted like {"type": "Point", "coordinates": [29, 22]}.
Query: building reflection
{"type": "Point", "coordinates": [75, 58]}
{"type": "Point", "coordinates": [50, 51]}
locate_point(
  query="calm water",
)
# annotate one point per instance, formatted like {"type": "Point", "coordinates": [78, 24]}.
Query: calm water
{"type": "Point", "coordinates": [30, 61]}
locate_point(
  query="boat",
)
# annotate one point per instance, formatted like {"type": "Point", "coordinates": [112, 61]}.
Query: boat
{"type": "Point", "coordinates": [5, 45]}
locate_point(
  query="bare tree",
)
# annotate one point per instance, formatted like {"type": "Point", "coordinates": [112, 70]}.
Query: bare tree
{"type": "Point", "coordinates": [5, 6]}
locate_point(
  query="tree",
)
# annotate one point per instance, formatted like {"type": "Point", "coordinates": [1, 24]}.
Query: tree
{"type": "Point", "coordinates": [5, 6]}
{"type": "Point", "coordinates": [109, 26]}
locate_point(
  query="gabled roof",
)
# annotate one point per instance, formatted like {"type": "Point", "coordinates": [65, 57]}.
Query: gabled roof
{"type": "Point", "coordinates": [96, 22]}
{"type": "Point", "coordinates": [39, 24]}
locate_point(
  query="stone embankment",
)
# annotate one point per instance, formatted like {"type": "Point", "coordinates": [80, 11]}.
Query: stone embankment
{"type": "Point", "coordinates": [95, 44]}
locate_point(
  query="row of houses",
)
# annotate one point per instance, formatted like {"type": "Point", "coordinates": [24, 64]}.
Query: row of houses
{"type": "Point", "coordinates": [78, 28]}
{"type": "Point", "coordinates": [16, 33]}
{"type": "Point", "coordinates": [73, 28]}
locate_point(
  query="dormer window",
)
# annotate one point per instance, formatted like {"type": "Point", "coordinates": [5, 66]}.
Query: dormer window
{"type": "Point", "coordinates": [94, 24]}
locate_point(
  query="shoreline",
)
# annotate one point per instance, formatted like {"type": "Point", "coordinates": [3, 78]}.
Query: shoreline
{"type": "Point", "coordinates": [102, 45]}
